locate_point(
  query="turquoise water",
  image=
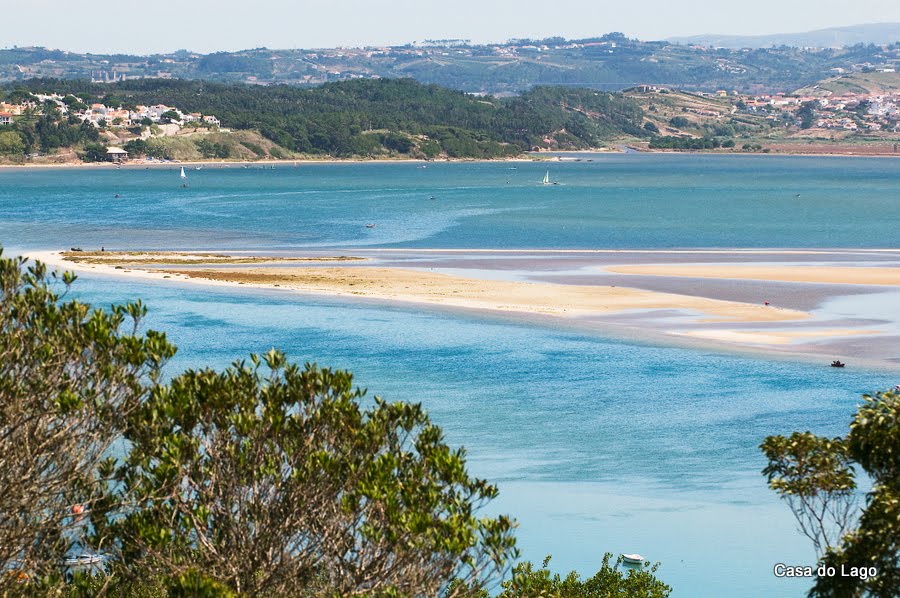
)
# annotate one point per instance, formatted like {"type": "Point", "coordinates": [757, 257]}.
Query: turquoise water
{"type": "Point", "coordinates": [627, 200]}
{"type": "Point", "coordinates": [597, 445]}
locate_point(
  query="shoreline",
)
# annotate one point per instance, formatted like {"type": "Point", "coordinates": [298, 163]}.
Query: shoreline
{"type": "Point", "coordinates": [297, 161]}
{"type": "Point", "coordinates": [620, 310]}
{"type": "Point", "coordinates": [538, 157]}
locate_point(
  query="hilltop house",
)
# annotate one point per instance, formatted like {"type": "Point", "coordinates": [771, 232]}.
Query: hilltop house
{"type": "Point", "coordinates": [211, 120]}
{"type": "Point", "coordinates": [155, 112]}
{"type": "Point", "coordinates": [5, 118]}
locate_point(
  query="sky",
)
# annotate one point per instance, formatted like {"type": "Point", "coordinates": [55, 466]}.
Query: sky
{"type": "Point", "coordinates": [227, 25]}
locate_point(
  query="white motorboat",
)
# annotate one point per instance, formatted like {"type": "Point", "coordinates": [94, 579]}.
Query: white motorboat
{"type": "Point", "coordinates": [633, 559]}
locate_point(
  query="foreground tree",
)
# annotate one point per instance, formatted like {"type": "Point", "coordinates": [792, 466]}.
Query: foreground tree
{"type": "Point", "coordinates": [69, 376]}
{"type": "Point", "coordinates": [815, 476]}
{"type": "Point", "coordinates": [273, 479]}
{"type": "Point", "coordinates": [265, 479]}
{"type": "Point", "coordinates": [609, 582]}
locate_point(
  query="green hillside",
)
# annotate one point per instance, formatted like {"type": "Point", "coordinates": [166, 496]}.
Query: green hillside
{"type": "Point", "coordinates": [375, 118]}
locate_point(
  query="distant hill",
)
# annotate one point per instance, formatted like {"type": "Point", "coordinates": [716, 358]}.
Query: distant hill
{"type": "Point", "coordinates": [860, 83]}
{"type": "Point", "coordinates": [834, 37]}
{"type": "Point", "coordinates": [609, 62]}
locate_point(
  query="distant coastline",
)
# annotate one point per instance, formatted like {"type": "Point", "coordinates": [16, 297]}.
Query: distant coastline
{"type": "Point", "coordinates": [555, 156]}
{"type": "Point", "coordinates": [561, 156]}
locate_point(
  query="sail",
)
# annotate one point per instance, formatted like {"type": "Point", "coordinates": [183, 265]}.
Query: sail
{"type": "Point", "coordinates": [184, 176]}
{"type": "Point", "coordinates": [547, 178]}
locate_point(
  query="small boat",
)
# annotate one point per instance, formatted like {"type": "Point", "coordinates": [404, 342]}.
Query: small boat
{"type": "Point", "coordinates": [546, 180]}
{"type": "Point", "coordinates": [80, 560]}
{"type": "Point", "coordinates": [837, 364]}
{"type": "Point", "coordinates": [371, 225]}
{"type": "Point", "coordinates": [633, 559]}
{"type": "Point", "coordinates": [184, 176]}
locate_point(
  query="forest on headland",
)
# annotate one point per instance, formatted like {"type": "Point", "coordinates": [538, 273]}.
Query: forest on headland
{"type": "Point", "coordinates": [360, 118]}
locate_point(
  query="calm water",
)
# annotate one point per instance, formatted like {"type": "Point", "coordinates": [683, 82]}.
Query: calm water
{"type": "Point", "coordinates": [632, 201]}
{"type": "Point", "coordinates": [597, 445]}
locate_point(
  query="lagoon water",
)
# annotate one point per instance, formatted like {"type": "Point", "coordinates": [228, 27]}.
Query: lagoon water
{"type": "Point", "coordinates": [597, 444]}
{"type": "Point", "coordinates": [615, 201]}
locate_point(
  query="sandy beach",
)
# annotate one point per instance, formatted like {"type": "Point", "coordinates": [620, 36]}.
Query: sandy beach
{"type": "Point", "coordinates": [412, 286]}
{"type": "Point", "coordinates": [680, 300]}
{"type": "Point", "coordinates": [856, 275]}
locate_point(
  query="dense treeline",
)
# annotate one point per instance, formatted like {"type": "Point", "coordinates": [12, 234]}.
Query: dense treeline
{"type": "Point", "coordinates": [370, 117]}
{"type": "Point", "coordinates": [690, 143]}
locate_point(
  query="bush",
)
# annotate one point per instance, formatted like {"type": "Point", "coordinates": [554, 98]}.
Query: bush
{"type": "Point", "coordinates": [69, 376]}
{"type": "Point", "coordinates": [609, 581]}
{"type": "Point", "coordinates": [816, 476]}
{"type": "Point", "coordinates": [94, 152]}
{"type": "Point", "coordinates": [212, 149]}
{"type": "Point", "coordinates": [11, 143]}
{"type": "Point", "coordinates": [256, 149]}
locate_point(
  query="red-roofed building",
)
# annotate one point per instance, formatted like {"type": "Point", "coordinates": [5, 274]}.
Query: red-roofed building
{"type": "Point", "coordinates": [5, 118]}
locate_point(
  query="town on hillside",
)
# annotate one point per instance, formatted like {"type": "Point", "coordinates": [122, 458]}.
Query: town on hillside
{"type": "Point", "coordinates": [100, 115]}
{"type": "Point", "coordinates": [842, 114]}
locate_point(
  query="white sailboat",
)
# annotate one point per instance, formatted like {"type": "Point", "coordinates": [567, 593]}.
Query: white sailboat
{"type": "Point", "coordinates": [183, 176]}
{"type": "Point", "coordinates": [546, 180]}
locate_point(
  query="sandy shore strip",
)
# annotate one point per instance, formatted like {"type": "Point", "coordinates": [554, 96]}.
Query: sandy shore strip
{"type": "Point", "coordinates": [772, 337]}
{"type": "Point", "coordinates": [525, 297]}
{"type": "Point", "coordinates": [854, 275]}
{"type": "Point", "coordinates": [143, 258]}
{"type": "Point", "coordinates": [413, 286]}
{"type": "Point", "coordinates": [271, 162]}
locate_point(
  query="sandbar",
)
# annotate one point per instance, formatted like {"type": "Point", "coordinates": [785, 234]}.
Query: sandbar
{"type": "Point", "coordinates": [582, 295]}
{"type": "Point", "coordinates": [807, 273]}
{"type": "Point", "coordinates": [423, 287]}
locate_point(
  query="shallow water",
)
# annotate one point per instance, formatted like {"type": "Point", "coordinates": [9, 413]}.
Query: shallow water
{"type": "Point", "coordinates": [597, 445]}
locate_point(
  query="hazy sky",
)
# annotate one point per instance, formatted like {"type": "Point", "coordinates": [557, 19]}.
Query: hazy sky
{"type": "Point", "coordinates": [204, 25]}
